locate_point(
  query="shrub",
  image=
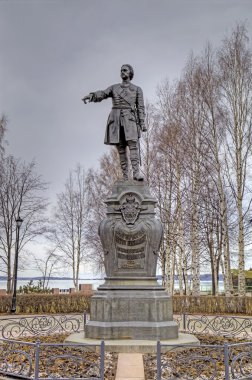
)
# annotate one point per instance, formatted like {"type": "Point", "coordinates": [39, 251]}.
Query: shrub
{"type": "Point", "coordinates": [212, 305]}
{"type": "Point", "coordinates": [33, 303]}
{"type": "Point", "coordinates": [77, 303]}
{"type": "Point", "coordinates": [30, 287]}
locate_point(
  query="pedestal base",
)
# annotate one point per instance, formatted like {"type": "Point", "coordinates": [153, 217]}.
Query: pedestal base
{"type": "Point", "coordinates": [126, 345]}
{"type": "Point", "coordinates": [126, 308]}
{"type": "Point", "coordinates": [132, 330]}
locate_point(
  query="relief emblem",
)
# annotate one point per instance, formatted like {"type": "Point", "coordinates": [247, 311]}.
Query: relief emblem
{"type": "Point", "coordinates": [130, 208]}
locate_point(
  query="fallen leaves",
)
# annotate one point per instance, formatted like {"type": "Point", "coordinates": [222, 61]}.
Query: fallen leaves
{"type": "Point", "coordinates": [55, 359]}
{"type": "Point", "coordinates": [204, 362]}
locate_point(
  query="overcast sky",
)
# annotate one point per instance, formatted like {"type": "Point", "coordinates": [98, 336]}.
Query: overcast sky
{"type": "Point", "coordinates": [53, 52]}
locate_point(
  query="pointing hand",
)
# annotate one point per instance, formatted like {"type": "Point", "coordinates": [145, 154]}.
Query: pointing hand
{"type": "Point", "coordinates": [87, 98]}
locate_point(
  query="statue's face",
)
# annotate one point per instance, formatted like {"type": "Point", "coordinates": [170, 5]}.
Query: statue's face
{"type": "Point", "coordinates": [125, 72]}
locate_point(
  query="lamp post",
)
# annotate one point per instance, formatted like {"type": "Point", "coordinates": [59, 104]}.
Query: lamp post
{"type": "Point", "coordinates": [19, 221]}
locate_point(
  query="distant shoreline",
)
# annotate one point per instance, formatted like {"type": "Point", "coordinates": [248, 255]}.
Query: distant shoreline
{"type": "Point", "coordinates": [2, 278]}
{"type": "Point", "coordinates": [203, 277]}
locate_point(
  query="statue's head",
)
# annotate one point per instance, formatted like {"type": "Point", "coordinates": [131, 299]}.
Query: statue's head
{"type": "Point", "coordinates": [130, 69]}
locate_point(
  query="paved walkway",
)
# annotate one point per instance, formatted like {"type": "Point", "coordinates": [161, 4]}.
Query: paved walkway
{"type": "Point", "coordinates": [130, 367]}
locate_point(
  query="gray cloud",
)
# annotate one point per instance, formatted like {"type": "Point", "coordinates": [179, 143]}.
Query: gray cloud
{"type": "Point", "coordinates": [54, 52]}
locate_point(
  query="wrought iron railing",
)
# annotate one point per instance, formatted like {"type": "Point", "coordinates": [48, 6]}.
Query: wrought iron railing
{"type": "Point", "coordinates": [240, 357]}
{"type": "Point", "coordinates": [41, 325]}
{"type": "Point", "coordinates": [208, 362]}
{"type": "Point", "coordinates": [228, 326]}
{"type": "Point", "coordinates": [42, 361]}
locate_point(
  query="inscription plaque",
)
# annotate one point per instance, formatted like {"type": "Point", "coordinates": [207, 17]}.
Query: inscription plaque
{"type": "Point", "coordinates": [130, 247]}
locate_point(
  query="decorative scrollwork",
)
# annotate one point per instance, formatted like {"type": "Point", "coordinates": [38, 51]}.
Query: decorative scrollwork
{"type": "Point", "coordinates": [220, 325]}
{"type": "Point", "coordinates": [241, 363]}
{"type": "Point", "coordinates": [15, 361]}
{"type": "Point", "coordinates": [70, 366]}
{"type": "Point", "coordinates": [41, 325]}
{"type": "Point", "coordinates": [188, 365]}
{"type": "Point", "coordinates": [49, 360]}
{"type": "Point", "coordinates": [69, 361]}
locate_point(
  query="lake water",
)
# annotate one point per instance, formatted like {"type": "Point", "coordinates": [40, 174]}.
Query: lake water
{"type": "Point", "coordinates": [66, 284]}
{"type": "Point", "coordinates": [61, 284]}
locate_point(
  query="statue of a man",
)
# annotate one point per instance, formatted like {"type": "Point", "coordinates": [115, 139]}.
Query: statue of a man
{"type": "Point", "coordinates": [126, 119]}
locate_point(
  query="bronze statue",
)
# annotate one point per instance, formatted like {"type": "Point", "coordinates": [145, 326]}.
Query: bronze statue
{"type": "Point", "coordinates": [126, 119]}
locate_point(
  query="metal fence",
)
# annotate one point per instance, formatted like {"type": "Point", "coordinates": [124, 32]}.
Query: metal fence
{"type": "Point", "coordinates": [48, 360]}
{"type": "Point", "coordinates": [41, 325]}
{"type": "Point", "coordinates": [73, 361]}
{"type": "Point", "coordinates": [204, 362]}
{"type": "Point", "coordinates": [42, 361]}
{"type": "Point", "coordinates": [228, 326]}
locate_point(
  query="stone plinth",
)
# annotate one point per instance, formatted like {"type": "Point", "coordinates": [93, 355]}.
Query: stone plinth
{"type": "Point", "coordinates": [135, 345]}
{"type": "Point", "coordinates": [131, 314]}
{"type": "Point", "coordinates": [131, 304]}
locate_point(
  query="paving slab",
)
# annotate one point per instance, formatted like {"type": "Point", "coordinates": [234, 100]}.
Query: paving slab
{"type": "Point", "coordinates": [130, 367]}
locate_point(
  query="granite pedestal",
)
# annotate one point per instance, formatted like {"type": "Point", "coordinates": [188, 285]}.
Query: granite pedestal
{"type": "Point", "coordinates": [131, 304]}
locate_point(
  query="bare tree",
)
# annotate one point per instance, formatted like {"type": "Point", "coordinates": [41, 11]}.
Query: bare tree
{"type": "Point", "coordinates": [21, 193]}
{"type": "Point", "coordinates": [167, 184]}
{"type": "Point", "coordinates": [99, 185]}
{"type": "Point", "coordinates": [3, 123]}
{"type": "Point", "coordinates": [70, 221]}
{"type": "Point", "coordinates": [235, 71]}
{"type": "Point", "coordinates": [218, 201]}
{"type": "Point", "coordinates": [148, 144]}
{"type": "Point", "coordinates": [47, 265]}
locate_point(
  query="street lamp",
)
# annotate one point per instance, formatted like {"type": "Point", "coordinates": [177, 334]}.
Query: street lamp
{"type": "Point", "coordinates": [19, 221]}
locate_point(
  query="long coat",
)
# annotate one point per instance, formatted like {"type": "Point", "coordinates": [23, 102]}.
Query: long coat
{"type": "Point", "coordinates": [127, 112]}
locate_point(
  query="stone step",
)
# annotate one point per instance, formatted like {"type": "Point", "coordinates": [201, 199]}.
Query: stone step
{"type": "Point", "coordinates": [130, 367]}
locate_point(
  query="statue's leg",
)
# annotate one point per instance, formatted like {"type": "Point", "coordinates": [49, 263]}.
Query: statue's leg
{"type": "Point", "coordinates": [121, 147]}
{"type": "Point", "coordinates": [134, 158]}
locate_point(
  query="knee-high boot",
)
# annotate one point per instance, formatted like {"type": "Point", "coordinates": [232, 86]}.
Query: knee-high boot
{"type": "Point", "coordinates": [134, 158]}
{"type": "Point", "coordinates": [123, 161]}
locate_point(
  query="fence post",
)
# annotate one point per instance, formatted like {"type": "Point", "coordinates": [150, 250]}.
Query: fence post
{"type": "Point", "coordinates": [102, 353]}
{"type": "Point", "coordinates": [184, 322]}
{"type": "Point", "coordinates": [36, 370]}
{"type": "Point", "coordinates": [85, 322]}
{"type": "Point", "coordinates": [159, 372]}
{"type": "Point", "coordinates": [226, 361]}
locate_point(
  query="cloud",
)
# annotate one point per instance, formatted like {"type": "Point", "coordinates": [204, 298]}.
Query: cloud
{"type": "Point", "coordinates": [55, 52]}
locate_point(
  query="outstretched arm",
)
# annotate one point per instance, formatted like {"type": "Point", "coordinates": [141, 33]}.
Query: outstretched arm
{"type": "Point", "coordinates": [98, 96]}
